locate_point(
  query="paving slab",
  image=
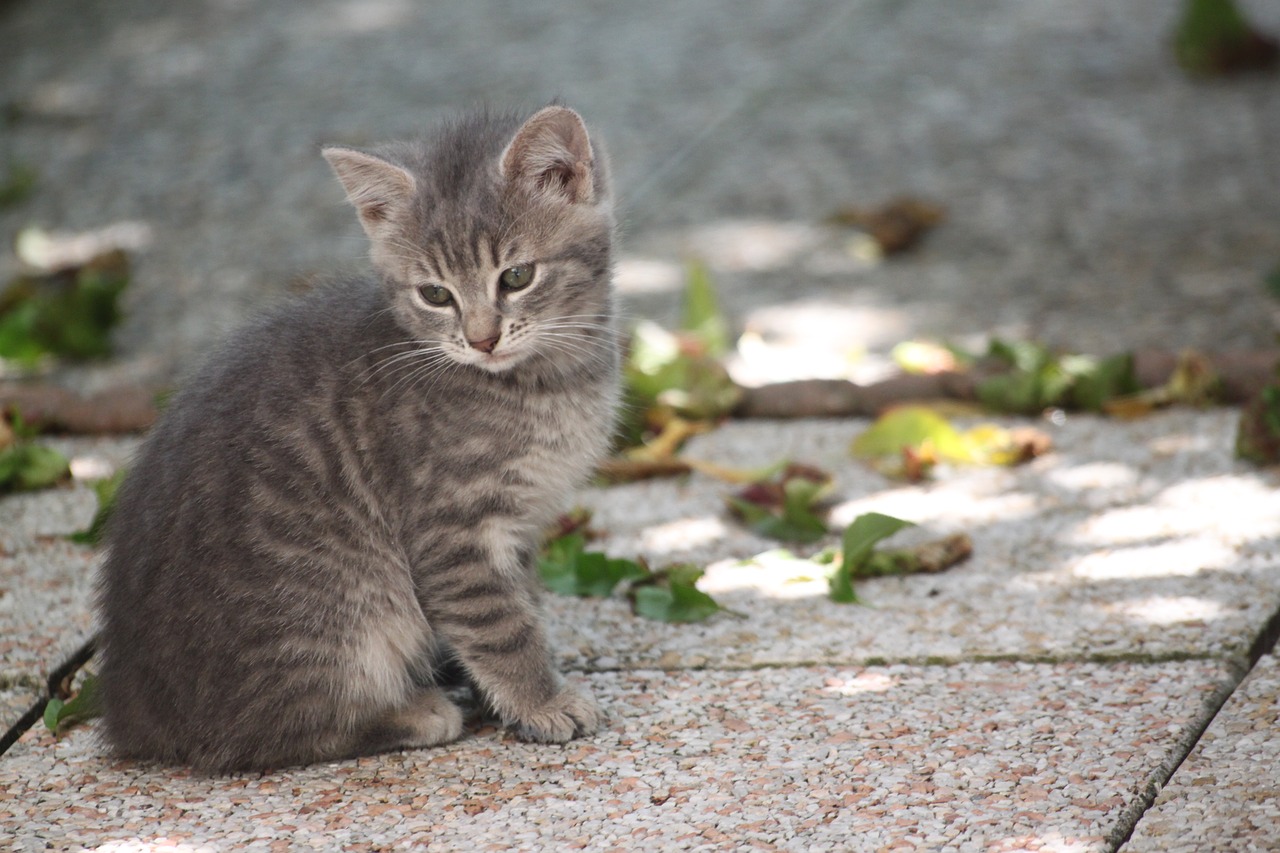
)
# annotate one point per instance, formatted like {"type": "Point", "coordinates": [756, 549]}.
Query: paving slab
{"type": "Point", "coordinates": [1032, 698]}
{"type": "Point", "coordinates": [1226, 795]}
{"type": "Point", "coordinates": [1140, 540]}
{"type": "Point", "coordinates": [46, 581]}
{"type": "Point", "coordinates": [981, 757]}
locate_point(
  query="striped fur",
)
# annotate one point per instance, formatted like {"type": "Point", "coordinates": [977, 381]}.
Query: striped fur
{"type": "Point", "coordinates": [351, 492]}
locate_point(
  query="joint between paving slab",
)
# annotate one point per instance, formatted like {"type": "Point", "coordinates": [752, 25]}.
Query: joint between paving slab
{"type": "Point", "coordinates": [1264, 643]}
{"type": "Point", "coordinates": [1130, 816]}
{"type": "Point", "coordinates": [1233, 659]}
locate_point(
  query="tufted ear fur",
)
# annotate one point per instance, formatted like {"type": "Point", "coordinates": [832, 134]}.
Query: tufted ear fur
{"type": "Point", "coordinates": [551, 154]}
{"type": "Point", "coordinates": [378, 189]}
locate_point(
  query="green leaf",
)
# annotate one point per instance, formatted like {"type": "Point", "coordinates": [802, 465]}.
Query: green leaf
{"type": "Point", "coordinates": [51, 712]}
{"type": "Point", "coordinates": [673, 596]}
{"type": "Point", "coordinates": [25, 466]}
{"type": "Point", "coordinates": [18, 185]}
{"type": "Point", "coordinates": [702, 317]}
{"type": "Point", "coordinates": [914, 428]}
{"type": "Point", "coordinates": [858, 540]}
{"type": "Point", "coordinates": [1258, 429]}
{"type": "Point", "coordinates": [1025, 356]}
{"type": "Point", "coordinates": [678, 372]}
{"type": "Point", "coordinates": [1213, 37]}
{"type": "Point", "coordinates": [1098, 382]}
{"type": "Point", "coordinates": [785, 508]}
{"type": "Point", "coordinates": [85, 705]}
{"type": "Point", "coordinates": [69, 313]}
{"type": "Point", "coordinates": [105, 490]}
{"type": "Point", "coordinates": [861, 536]}
{"type": "Point", "coordinates": [841, 590]}
{"type": "Point", "coordinates": [566, 568]}
{"type": "Point", "coordinates": [1271, 282]}
{"type": "Point", "coordinates": [654, 363]}
{"type": "Point", "coordinates": [771, 526]}
{"type": "Point", "coordinates": [1038, 379]}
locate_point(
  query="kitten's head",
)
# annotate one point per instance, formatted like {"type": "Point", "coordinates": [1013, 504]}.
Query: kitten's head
{"type": "Point", "coordinates": [493, 239]}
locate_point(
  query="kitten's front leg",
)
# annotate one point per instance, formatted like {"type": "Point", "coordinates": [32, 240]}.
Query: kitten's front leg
{"type": "Point", "coordinates": [491, 619]}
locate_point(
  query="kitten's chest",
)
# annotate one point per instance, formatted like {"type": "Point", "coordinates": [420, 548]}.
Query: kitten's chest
{"type": "Point", "coordinates": [522, 451]}
{"type": "Point", "coordinates": [567, 435]}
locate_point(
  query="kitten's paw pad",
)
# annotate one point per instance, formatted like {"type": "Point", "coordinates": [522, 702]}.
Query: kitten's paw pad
{"type": "Point", "coordinates": [568, 715]}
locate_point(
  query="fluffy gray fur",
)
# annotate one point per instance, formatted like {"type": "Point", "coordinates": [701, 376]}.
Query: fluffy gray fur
{"type": "Point", "coordinates": [351, 493]}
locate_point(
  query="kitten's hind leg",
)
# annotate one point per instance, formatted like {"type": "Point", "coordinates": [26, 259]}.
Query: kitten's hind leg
{"type": "Point", "coordinates": [428, 719]}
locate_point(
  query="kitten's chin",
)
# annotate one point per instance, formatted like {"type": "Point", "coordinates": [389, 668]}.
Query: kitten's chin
{"type": "Point", "coordinates": [496, 362]}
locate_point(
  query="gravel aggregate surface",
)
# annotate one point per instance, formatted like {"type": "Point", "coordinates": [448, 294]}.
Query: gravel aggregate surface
{"type": "Point", "coordinates": [988, 756]}
{"type": "Point", "coordinates": [1129, 539]}
{"type": "Point", "coordinates": [1116, 580]}
{"type": "Point", "coordinates": [1036, 697]}
{"type": "Point", "coordinates": [1226, 795]}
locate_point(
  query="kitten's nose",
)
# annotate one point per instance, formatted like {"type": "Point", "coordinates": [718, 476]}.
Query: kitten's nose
{"type": "Point", "coordinates": [485, 344]}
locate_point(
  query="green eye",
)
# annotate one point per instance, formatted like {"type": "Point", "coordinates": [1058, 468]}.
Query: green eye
{"type": "Point", "coordinates": [517, 277]}
{"type": "Point", "coordinates": [434, 294]}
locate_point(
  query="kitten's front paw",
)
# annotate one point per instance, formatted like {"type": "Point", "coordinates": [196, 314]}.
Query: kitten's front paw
{"type": "Point", "coordinates": [569, 714]}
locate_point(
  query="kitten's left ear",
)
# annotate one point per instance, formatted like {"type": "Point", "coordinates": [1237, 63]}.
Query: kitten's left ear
{"type": "Point", "coordinates": [378, 189]}
{"type": "Point", "coordinates": [551, 153]}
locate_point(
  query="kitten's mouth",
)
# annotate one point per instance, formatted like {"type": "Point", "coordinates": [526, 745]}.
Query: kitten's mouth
{"type": "Point", "coordinates": [495, 362]}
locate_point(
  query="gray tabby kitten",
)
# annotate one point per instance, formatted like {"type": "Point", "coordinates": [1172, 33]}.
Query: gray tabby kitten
{"type": "Point", "coordinates": [351, 495]}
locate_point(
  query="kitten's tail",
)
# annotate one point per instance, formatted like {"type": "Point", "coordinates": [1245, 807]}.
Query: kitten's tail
{"type": "Point", "coordinates": [58, 686]}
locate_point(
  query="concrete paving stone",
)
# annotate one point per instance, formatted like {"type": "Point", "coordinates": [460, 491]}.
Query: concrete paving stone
{"type": "Point", "coordinates": [986, 756]}
{"type": "Point", "coordinates": [46, 580]}
{"type": "Point", "coordinates": [1226, 795]}
{"type": "Point", "coordinates": [16, 700]}
{"type": "Point", "coordinates": [1141, 539]}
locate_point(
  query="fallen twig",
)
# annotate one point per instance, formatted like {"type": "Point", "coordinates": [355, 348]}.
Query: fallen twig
{"type": "Point", "coordinates": [1242, 374]}
{"type": "Point", "coordinates": [50, 408]}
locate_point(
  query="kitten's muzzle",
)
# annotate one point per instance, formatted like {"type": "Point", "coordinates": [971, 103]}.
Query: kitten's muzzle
{"type": "Point", "coordinates": [488, 344]}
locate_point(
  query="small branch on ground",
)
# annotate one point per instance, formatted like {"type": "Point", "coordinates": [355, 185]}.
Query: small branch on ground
{"type": "Point", "coordinates": [50, 408]}
{"type": "Point", "coordinates": [1242, 374]}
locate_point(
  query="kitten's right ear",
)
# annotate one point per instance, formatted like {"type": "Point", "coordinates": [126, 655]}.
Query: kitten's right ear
{"type": "Point", "coordinates": [552, 154]}
{"type": "Point", "coordinates": [378, 189]}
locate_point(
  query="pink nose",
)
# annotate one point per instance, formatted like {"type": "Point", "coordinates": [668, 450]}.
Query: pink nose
{"type": "Point", "coordinates": [485, 344]}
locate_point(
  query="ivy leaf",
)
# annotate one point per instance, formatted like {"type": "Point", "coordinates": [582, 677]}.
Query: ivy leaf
{"type": "Point", "coordinates": [703, 320]}
{"type": "Point", "coordinates": [85, 705]}
{"type": "Point", "coordinates": [785, 508]}
{"type": "Point", "coordinates": [857, 542]}
{"type": "Point", "coordinates": [1258, 432]}
{"type": "Point", "coordinates": [911, 426]}
{"type": "Point", "coordinates": [678, 373]}
{"type": "Point", "coordinates": [105, 490]}
{"type": "Point", "coordinates": [1099, 382]}
{"type": "Point", "coordinates": [568, 569]}
{"type": "Point", "coordinates": [926, 558]}
{"type": "Point", "coordinates": [1271, 283]}
{"type": "Point", "coordinates": [908, 442]}
{"type": "Point", "coordinates": [672, 595]}
{"type": "Point", "coordinates": [64, 313]}
{"type": "Point", "coordinates": [1038, 379]}
{"type": "Point", "coordinates": [17, 185]}
{"type": "Point", "coordinates": [25, 466]}
{"type": "Point", "coordinates": [1214, 38]}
